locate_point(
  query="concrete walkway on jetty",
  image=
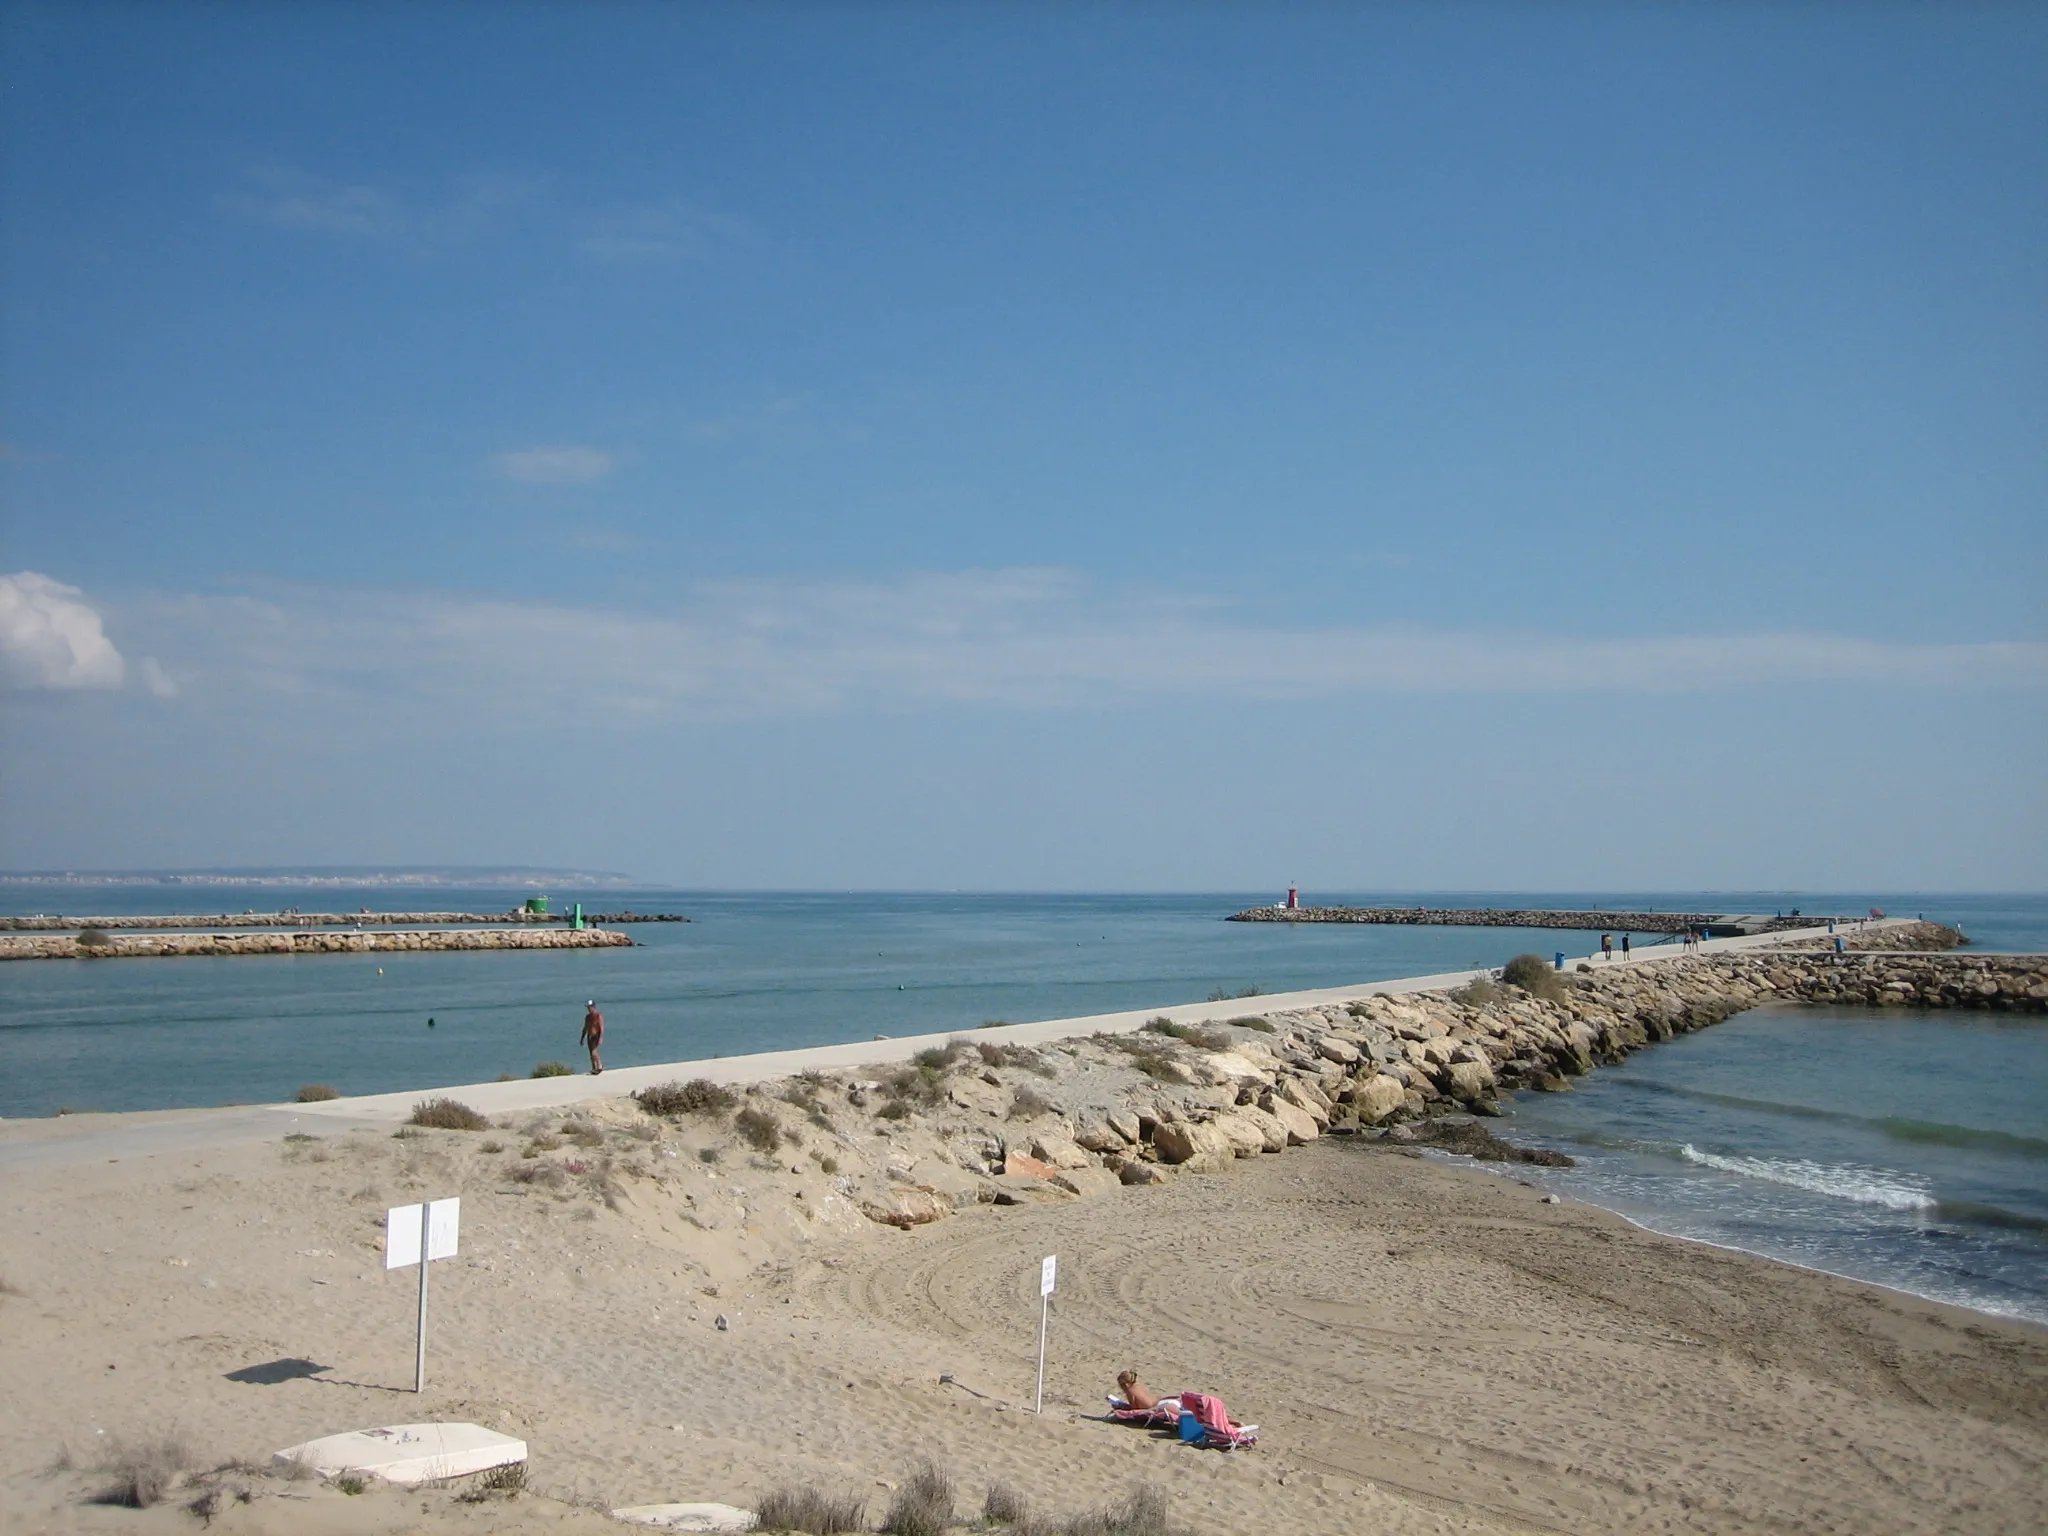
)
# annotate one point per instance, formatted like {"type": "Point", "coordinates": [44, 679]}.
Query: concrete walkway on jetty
{"type": "Point", "coordinates": [75, 1139]}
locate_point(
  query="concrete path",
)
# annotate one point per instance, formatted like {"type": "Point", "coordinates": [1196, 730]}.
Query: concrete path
{"type": "Point", "coordinates": [73, 1139]}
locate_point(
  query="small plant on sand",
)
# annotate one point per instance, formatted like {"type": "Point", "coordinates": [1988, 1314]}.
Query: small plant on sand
{"type": "Point", "coordinates": [921, 1085]}
{"type": "Point", "coordinates": [923, 1505]}
{"type": "Point", "coordinates": [1253, 1021]}
{"type": "Point", "coordinates": [491, 1146]}
{"type": "Point", "coordinates": [759, 1129]}
{"type": "Point", "coordinates": [993, 1024]}
{"type": "Point", "coordinates": [940, 1057]}
{"type": "Point", "coordinates": [315, 1093]}
{"type": "Point", "coordinates": [1225, 995]}
{"type": "Point", "coordinates": [810, 1510]}
{"type": "Point", "coordinates": [699, 1096]}
{"type": "Point", "coordinates": [350, 1483]}
{"type": "Point", "coordinates": [894, 1109]}
{"type": "Point", "coordinates": [553, 1069]}
{"type": "Point", "coordinates": [509, 1480]}
{"type": "Point", "coordinates": [144, 1472]}
{"type": "Point", "coordinates": [1026, 1104]}
{"type": "Point", "coordinates": [1477, 992]}
{"type": "Point", "coordinates": [826, 1165]}
{"type": "Point", "coordinates": [1534, 975]}
{"type": "Point", "coordinates": [707, 1154]}
{"type": "Point", "coordinates": [583, 1133]}
{"type": "Point", "coordinates": [1004, 1505]}
{"type": "Point", "coordinates": [1015, 1056]}
{"type": "Point", "coordinates": [445, 1114]}
{"type": "Point", "coordinates": [1141, 1513]}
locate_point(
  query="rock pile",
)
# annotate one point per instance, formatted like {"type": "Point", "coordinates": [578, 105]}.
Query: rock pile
{"type": "Point", "coordinates": [1504, 917]}
{"type": "Point", "coordinates": [119, 947]}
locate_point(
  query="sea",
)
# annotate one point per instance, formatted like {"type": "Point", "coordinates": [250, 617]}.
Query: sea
{"type": "Point", "coordinates": [1904, 1148]}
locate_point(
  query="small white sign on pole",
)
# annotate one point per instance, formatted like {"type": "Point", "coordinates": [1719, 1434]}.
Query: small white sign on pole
{"type": "Point", "coordinates": [1048, 1276]}
{"type": "Point", "coordinates": [409, 1232]}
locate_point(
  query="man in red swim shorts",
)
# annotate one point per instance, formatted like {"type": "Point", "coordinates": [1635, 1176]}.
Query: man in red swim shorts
{"type": "Point", "coordinates": [593, 1035]}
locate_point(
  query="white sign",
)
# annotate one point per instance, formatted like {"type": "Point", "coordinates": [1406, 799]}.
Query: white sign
{"type": "Point", "coordinates": [1048, 1272]}
{"type": "Point", "coordinates": [402, 1232]}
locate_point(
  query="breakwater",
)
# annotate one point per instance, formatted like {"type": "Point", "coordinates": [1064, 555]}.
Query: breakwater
{"type": "Point", "coordinates": [1718, 925]}
{"type": "Point", "coordinates": [120, 947]}
{"type": "Point", "coordinates": [299, 920]}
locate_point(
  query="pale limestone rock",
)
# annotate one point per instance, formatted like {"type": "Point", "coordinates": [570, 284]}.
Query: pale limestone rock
{"type": "Point", "coordinates": [1377, 1097]}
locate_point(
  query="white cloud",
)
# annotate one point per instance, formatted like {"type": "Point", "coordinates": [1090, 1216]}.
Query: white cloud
{"type": "Point", "coordinates": [1015, 638]}
{"type": "Point", "coordinates": [159, 682]}
{"type": "Point", "coordinates": [668, 231]}
{"type": "Point", "coordinates": [50, 637]}
{"type": "Point", "coordinates": [554, 464]}
{"type": "Point", "coordinates": [290, 199]}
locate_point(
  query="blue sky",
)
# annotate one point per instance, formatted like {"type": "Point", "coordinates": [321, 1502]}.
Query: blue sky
{"type": "Point", "coordinates": [1052, 447]}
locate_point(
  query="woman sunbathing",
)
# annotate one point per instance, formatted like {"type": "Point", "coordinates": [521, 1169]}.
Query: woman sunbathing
{"type": "Point", "coordinates": [1135, 1394]}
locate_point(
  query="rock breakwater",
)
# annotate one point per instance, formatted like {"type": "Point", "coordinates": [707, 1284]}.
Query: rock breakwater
{"type": "Point", "coordinates": [121, 947]}
{"type": "Point", "coordinates": [1716, 924]}
{"type": "Point", "coordinates": [297, 920]}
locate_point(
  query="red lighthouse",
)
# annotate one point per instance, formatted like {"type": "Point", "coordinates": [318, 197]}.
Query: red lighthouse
{"type": "Point", "coordinates": [1293, 899]}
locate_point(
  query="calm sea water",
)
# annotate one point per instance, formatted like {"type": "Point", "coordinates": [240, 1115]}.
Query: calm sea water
{"type": "Point", "coordinates": [1908, 1150]}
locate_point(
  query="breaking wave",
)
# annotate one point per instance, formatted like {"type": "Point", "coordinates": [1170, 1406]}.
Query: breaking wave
{"type": "Point", "coordinates": [1866, 1186]}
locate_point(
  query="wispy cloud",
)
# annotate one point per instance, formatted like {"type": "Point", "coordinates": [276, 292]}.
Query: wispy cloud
{"type": "Point", "coordinates": [289, 199]}
{"type": "Point", "coordinates": [659, 232]}
{"type": "Point", "coordinates": [51, 637]}
{"type": "Point", "coordinates": [1016, 638]}
{"type": "Point", "coordinates": [554, 464]}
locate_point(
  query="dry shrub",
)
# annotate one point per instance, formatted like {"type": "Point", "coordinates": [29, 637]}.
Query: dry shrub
{"type": "Point", "coordinates": [919, 1084]}
{"type": "Point", "coordinates": [445, 1114]}
{"type": "Point", "coordinates": [923, 1506]}
{"type": "Point", "coordinates": [1140, 1513]}
{"type": "Point", "coordinates": [144, 1472]}
{"type": "Point", "coordinates": [1253, 1021]}
{"type": "Point", "coordinates": [699, 1096]}
{"type": "Point", "coordinates": [491, 1146]}
{"type": "Point", "coordinates": [583, 1133]}
{"type": "Point", "coordinates": [759, 1129]}
{"type": "Point", "coordinates": [1477, 992]}
{"type": "Point", "coordinates": [315, 1093]}
{"type": "Point", "coordinates": [1026, 1103]}
{"type": "Point", "coordinates": [1015, 1056]}
{"type": "Point", "coordinates": [553, 1069]}
{"type": "Point", "coordinates": [1193, 1034]}
{"type": "Point", "coordinates": [1004, 1505]}
{"type": "Point", "coordinates": [510, 1480]}
{"type": "Point", "coordinates": [895, 1109]}
{"type": "Point", "coordinates": [810, 1510]}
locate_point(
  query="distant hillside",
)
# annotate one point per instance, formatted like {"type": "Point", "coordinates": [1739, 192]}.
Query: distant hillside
{"type": "Point", "coordinates": [417, 877]}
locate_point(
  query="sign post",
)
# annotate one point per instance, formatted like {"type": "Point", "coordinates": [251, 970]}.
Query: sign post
{"type": "Point", "coordinates": [1048, 1276]}
{"type": "Point", "coordinates": [419, 1234]}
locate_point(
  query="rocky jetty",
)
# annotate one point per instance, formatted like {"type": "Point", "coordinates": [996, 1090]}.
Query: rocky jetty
{"type": "Point", "coordinates": [522, 919]}
{"type": "Point", "coordinates": [994, 1123]}
{"type": "Point", "coordinates": [1719, 925]}
{"type": "Point", "coordinates": [120, 947]}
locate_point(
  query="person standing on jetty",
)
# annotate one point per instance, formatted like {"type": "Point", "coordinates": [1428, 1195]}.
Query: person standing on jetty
{"type": "Point", "coordinates": [1624, 946]}
{"type": "Point", "coordinates": [593, 1035]}
{"type": "Point", "coordinates": [1606, 946]}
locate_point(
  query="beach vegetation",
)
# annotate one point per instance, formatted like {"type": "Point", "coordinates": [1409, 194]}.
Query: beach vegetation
{"type": "Point", "coordinates": [758, 1129]}
{"type": "Point", "coordinates": [810, 1510]}
{"type": "Point", "coordinates": [145, 1471]}
{"type": "Point", "coordinates": [446, 1114]}
{"type": "Point", "coordinates": [1028, 1104]}
{"type": "Point", "coordinates": [543, 1143]}
{"type": "Point", "coordinates": [492, 1146]}
{"type": "Point", "coordinates": [1004, 1505]}
{"type": "Point", "coordinates": [553, 1069]}
{"type": "Point", "coordinates": [1252, 1021]}
{"type": "Point", "coordinates": [537, 1172]}
{"type": "Point", "coordinates": [1019, 1056]}
{"type": "Point", "coordinates": [350, 1483]}
{"type": "Point", "coordinates": [509, 1480]}
{"type": "Point", "coordinates": [894, 1109]}
{"type": "Point", "coordinates": [923, 1503]}
{"type": "Point", "coordinates": [1142, 1512]}
{"type": "Point", "coordinates": [699, 1096]}
{"type": "Point", "coordinates": [407, 1133]}
{"type": "Point", "coordinates": [1534, 975]}
{"type": "Point", "coordinates": [298, 1138]}
{"type": "Point", "coordinates": [1477, 992]}
{"type": "Point", "coordinates": [1225, 995]}
{"type": "Point", "coordinates": [994, 1024]}
{"type": "Point", "coordinates": [707, 1154]}
{"type": "Point", "coordinates": [315, 1093]}
{"type": "Point", "coordinates": [920, 1083]}
{"type": "Point", "coordinates": [583, 1133]}
{"type": "Point", "coordinates": [827, 1165]}
{"type": "Point", "coordinates": [1197, 1035]}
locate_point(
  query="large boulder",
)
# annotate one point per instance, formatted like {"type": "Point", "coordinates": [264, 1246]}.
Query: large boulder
{"type": "Point", "coordinates": [977, 1097]}
{"type": "Point", "coordinates": [1467, 1080]}
{"type": "Point", "coordinates": [1299, 1124]}
{"type": "Point", "coordinates": [907, 1208]}
{"type": "Point", "coordinates": [1135, 1172]}
{"type": "Point", "coordinates": [1088, 1181]}
{"type": "Point", "coordinates": [1376, 1097]}
{"type": "Point", "coordinates": [1059, 1150]}
{"type": "Point", "coordinates": [1305, 1096]}
{"type": "Point", "coordinates": [1126, 1124]}
{"type": "Point", "coordinates": [1342, 1052]}
{"type": "Point", "coordinates": [1099, 1134]}
{"type": "Point", "coordinates": [1201, 1148]}
{"type": "Point", "coordinates": [1246, 1135]}
{"type": "Point", "coordinates": [1018, 1166]}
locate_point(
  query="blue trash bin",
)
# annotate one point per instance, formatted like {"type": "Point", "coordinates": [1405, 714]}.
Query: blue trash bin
{"type": "Point", "coordinates": [1559, 962]}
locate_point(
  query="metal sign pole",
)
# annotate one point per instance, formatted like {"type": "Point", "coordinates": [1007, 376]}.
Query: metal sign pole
{"type": "Point", "coordinates": [419, 1378]}
{"type": "Point", "coordinates": [1047, 1271]}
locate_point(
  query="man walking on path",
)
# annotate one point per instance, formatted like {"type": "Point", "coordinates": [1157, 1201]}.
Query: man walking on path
{"type": "Point", "coordinates": [593, 1035]}
{"type": "Point", "coordinates": [1624, 946]}
{"type": "Point", "coordinates": [1606, 946]}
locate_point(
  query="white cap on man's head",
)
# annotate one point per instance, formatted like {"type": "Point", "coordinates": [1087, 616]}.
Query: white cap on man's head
{"type": "Point", "coordinates": [591, 1004]}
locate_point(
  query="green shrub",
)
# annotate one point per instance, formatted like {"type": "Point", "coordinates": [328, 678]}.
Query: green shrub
{"type": "Point", "coordinates": [1194, 1034]}
{"type": "Point", "coordinates": [554, 1069]}
{"type": "Point", "coordinates": [315, 1093]}
{"type": "Point", "coordinates": [759, 1129]}
{"type": "Point", "coordinates": [445, 1114]}
{"type": "Point", "coordinates": [1253, 1021]}
{"type": "Point", "coordinates": [1534, 975]}
{"type": "Point", "coordinates": [699, 1096]}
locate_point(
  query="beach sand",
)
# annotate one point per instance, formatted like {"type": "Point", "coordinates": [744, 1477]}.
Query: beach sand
{"type": "Point", "coordinates": [1427, 1348]}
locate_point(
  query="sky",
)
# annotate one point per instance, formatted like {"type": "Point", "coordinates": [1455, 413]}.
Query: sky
{"type": "Point", "coordinates": [1112, 447]}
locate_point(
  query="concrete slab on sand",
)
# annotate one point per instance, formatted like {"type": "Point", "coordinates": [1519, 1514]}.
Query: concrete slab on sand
{"type": "Point", "coordinates": [409, 1453]}
{"type": "Point", "coordinates": [688, 1517]}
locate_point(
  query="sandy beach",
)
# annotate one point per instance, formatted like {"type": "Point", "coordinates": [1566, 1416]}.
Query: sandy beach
{"type": "Point", "coordinates": [1426, 1347]}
